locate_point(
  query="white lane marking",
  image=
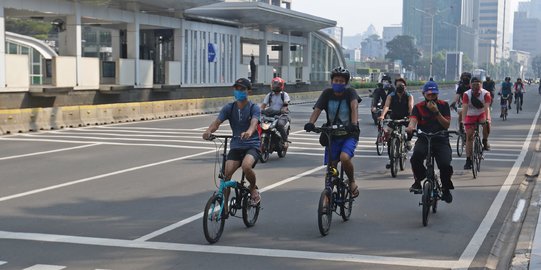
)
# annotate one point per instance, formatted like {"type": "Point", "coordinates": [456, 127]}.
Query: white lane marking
{"type": "Point", "coordinates": [49, 152]}
{"type": "Point", "coordinates": [518, 211]}
{"type": "Point", "coordinates": [111, 143]}
{"type": "Point", "coordinates": [477, 240]}
{"type": "Point", "coordinates": [200, 215]}
{"type": "Point", "coordinates": [31, 192]}
{"type": "Point", "coordinates": [385, 156]}
{"type": "Point", "coordinates": [45, 267]}
{"type": "Point", "coordinates": [2, 262]}
{"type": "Point", "coordinates": [217, 249]}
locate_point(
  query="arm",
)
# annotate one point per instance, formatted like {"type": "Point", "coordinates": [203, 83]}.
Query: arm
{"type": "Point", "coordinates": [354, 109]}
{"type": "Point", "coordinates": [412, 125]}
{"type": "Point", "coordinates": [385, 108]}
{"type": "Point", "coordinates": [410, 104]}
{"type": "Point", "coordinates": [253, 127]}
{"type": "Point", "coordinates": [315, 115]}
{"type": "Point", "coordinates": [212, 127]}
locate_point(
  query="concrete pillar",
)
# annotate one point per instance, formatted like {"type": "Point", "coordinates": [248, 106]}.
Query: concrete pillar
{"type": "Point", "coordinates": [179, 47]}
{"type": "Point", "coordinates": [2, 47]}
{"type": "Point", "coordinates": [286, 60]}
{"type": "Point", "coordinates": [132, 40]}
{"type": "Point", "coordinates": [307, 58]}
{"type": "Point", "coordinates": [74, 38]}
{"type": "Point", "coordinates": [262, 76]}
{"type": "Point", "coordinates": [115, 43]}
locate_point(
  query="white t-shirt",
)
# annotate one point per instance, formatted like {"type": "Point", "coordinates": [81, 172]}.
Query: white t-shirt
{"type": "Point", "coordinates": [483, 97]}
{"type": "Point", "coordinates": [276, 101]}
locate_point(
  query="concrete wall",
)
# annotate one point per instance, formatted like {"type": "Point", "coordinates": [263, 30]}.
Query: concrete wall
{"type": "Point", "coordinates": [17, 72]}
{"type": "Point", "coordinates": [64, 71]}
{"type": "Point", "coordinates": [90, 77]}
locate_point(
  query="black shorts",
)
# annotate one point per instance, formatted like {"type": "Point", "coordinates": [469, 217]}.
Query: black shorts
{"type": "Point", "coordinates": [239, 154]}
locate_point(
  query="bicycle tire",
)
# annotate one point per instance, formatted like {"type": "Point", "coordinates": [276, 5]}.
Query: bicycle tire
{"type": "Point", "coordinates": [380, 143]}
{"type": "Point", "coordinates": [324, 212]}
{"type": "Point", "coordinates": [460, 145]}
{"type": "Point", "coordinates": [403, 156]}
{"type": "Point", "coordinates": [347, 202]}
{"type": "Point", "coordinates": [474, 158]}
{"type": "Point", "coordinates": [213, 223]}
{"type": "Point", "coordinates": [393, 156]}
{"type": "Point", "coordinates": [426, 201]}
{"type": "Point", "coordinates": [479, 154]}
{"type": "Point", "coordinates": [435, 196]}
{"type": "Point", "coordinates": [250, 212]}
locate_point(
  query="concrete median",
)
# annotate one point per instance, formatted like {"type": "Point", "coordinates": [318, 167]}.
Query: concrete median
{"type": "Point", "coordinates": [89, 115]}
{"type": "Point", "coordinates": [11, 121]}
{"type": "Point", "coordinates": [71, 115]}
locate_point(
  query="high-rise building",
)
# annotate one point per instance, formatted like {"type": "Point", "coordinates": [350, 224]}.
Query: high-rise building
{"type": "Point", "coordinates": [494, 28]}
{"type": "Point", "coordinates": [527, 33]}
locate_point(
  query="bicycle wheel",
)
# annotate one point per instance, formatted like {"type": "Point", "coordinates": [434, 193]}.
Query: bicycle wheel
{"type": "Point", "coordinates": [347, 202]}
{"type": "Point", "coordinates": [460, 144]}
{"type": "Point", "coordinates": [380, 143]}
{"type": "Point", "coordinates": [324, 212]}
{"type": "Point", "coordinates": [394, 147]}
{"type": "Point", "coordinates": [474, 158]}
{"type": "Point", "coordinates": [403, 156]}
{"type": "Point", "coordinates": [213, 223]}
{"type": "Point", "coordinates": [265, 150]}
{"type": "Point", "coordinates": [426, 200]}
{"type": "Point", "coordinates": [250, 212]}
{"type": "Point", "coordinates": [479, 154]}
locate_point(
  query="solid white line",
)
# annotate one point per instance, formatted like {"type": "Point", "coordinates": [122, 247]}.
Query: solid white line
{"type": "Point", "coordinates": [45, 267]}
{"type": "Point", "coordinates": [35, 191]}
{"type": "Point", "coordinates": [477, 240]}
{"type": "Point", "coordinates": [250, 251]}
{"type": "Point", "coordinates": [518, 211]}
{"type": "Point", "coordinates": [200, 215]}
{"type": "Point", "coordinates": [48, 152]}
{"type": "Point", "coordinates": [2, 262]}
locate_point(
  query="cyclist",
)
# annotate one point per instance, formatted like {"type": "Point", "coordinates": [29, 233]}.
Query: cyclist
{"type": "Point", "coordinates": [380, 94]}
{"type": "Point", "coordinates": [243, 116]}
{"type": "Point", "coordinates": [277, 101]}
{"type": "Point", "coordinates": [340, 104]}
{"type": "Point", "coordinates": [490, 86]}
{"type": "Point", "coordinates": [429, 116]}
{"type": "Point", "coordinates": [519, 92]}
{"type": "Point", "coordinates": [476, 109]}
{"type": "Point", "coordinates": [400, 102]}
{"type": "Point", "coordinates": [507, 90]}
{"type": "Point", "coordinates": [506, 94]}
{"type": "Point", "coordinates": [463, 86]}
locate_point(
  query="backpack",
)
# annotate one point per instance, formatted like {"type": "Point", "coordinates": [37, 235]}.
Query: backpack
{"type": "Point", "coordinates": [272, 93]}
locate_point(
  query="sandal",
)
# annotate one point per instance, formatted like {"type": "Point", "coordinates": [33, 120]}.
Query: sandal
{"type": "Point", "coordinates": [255, 198]}
{"type": "Point", "coordinates": [355, 192]}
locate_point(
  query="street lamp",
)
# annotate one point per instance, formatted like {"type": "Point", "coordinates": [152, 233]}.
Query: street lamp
{"type": "Point", "coordinates": [456, 45]}
{"type": "Point", "coordinates": [431, 35]}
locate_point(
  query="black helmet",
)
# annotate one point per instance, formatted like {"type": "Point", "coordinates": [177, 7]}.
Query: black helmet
{"type": "Point", "coordinates": [507, 79]}
{"type": "Point", "coordinates": [466, 74]}
{"type": "Point", "coordinates": [342, 72]}
{"type": "Point", "coordinates": [386, 78]}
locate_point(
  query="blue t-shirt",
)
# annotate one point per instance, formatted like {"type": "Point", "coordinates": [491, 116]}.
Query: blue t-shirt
{"type": "Point", "coordinates": [506, 88]}
{"type": "Point", "coordinates": [239, 120]}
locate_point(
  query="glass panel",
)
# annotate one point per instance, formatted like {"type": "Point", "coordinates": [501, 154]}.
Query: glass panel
{"type": "Point", "coordinates": [25, 50]}
{"type": "Point", "coordinates": [108, 69]}
{"type": "Point", "coordinates": [194, 59]}
{"type": "Point", "coordinates": [36, 56]}
{"type": "Point", "coordinates": [12, 48]}
{"type": "Point", "coordinates": [186, 54]}
{"type": "Point", "coordinates": [36, 69]}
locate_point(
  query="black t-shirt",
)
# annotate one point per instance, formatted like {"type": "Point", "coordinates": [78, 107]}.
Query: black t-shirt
{"type": "Point", "coordinates": [462, 88]}
{"type": "Point", "coordinates": [329, 102]}
{"type": "Point", "coordinates": [489, 86]}
{"type": "Point", "coordinates": [427, 120]}
{"type": "Point", "coordinates": [399, 106]}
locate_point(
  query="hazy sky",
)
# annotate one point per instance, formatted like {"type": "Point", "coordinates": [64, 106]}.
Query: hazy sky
{"type": "Point", "coordinates": [356, 15]}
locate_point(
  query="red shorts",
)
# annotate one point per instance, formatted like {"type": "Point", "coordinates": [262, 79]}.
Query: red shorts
{"type": "Point", "coordinates": [472, 119]}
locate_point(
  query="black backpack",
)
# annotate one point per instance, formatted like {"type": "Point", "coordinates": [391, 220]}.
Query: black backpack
{"type": "Point", "coordinates": [272, 93]}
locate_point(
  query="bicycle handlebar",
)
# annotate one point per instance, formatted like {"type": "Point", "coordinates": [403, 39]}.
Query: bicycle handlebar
{"type": "Point", "coordinates": [213, 137]}
{"type": "Point", "coordinates": [440, 133]}
{"type": "Point", "coordinates": [329, 128]}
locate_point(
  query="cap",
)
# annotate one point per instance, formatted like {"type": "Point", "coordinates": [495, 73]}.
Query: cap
{"type": "Point", "coordinates": [431, 87]}
{"type": "Point", "coordinates": [243, 82]}
{"type": "Point", "coordinates": [400, 80]}
{"type": "Point", "coordinates": [474, 80]}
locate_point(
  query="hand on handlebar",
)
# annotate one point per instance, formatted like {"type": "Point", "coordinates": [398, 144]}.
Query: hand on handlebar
{"type": "Point", "coordinates": [309, 127]}
{"type": "Point", "coordinates": [207, 136]}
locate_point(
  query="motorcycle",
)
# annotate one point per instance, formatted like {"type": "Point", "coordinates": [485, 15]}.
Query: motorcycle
{"type": "Point", "coordinates": [271, 140]}
{"type": "Point", "coordinates": [377, 113]}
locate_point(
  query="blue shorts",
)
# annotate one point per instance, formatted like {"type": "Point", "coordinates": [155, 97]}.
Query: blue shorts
{"type": "Point", "coordinates": [346, 145]}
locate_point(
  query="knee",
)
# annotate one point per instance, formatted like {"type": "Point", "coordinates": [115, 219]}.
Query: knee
{"type": "Point", "coordinates": [344, 157]}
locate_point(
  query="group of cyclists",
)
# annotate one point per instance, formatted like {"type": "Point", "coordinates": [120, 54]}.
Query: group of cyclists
{"type": "Point", "coordinates": [340, 102]}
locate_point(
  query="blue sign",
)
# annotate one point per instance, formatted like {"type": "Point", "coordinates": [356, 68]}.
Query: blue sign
{"type": "Point", "coordinates": [211, 53]}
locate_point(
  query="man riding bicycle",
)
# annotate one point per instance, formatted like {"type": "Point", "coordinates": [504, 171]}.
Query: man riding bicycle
{"type": "Point", "coordinates": [340, 105]}
{"type": "Point", "coordinates": [475, 110]}
{"type": "Point", "coordinates": [243, 116]}
{"type": "Point", "coordinates": [400, 102]}
{"type": "Point", "coordinates": [490, 86]}
{"type": "Point", "coordinates": [519, 92]}
{"type": "Point", "coordinates": [430, 116]}
{"type": "Point", "coordinates": [463, 86]}
{"type": "Point", "coordinates": [506, 94]}
{"type": "Point", "coordinates": [278, 101]}
{"type": "Point", "coordinates": [380, 94]}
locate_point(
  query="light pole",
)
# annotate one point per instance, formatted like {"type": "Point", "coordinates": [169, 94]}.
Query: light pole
{"type": "Point", "coordinates": [431, 35]}
{"type": "Point", "coordinates": [456, 46]}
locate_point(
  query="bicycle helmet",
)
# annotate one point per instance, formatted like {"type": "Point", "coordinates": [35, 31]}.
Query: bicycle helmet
{"type": "Point", "coordinates": [277, 84]}
{"type": "Point", "coordinates": [386, 78]}
{"type": "Point", "coordinates": [342, 72]}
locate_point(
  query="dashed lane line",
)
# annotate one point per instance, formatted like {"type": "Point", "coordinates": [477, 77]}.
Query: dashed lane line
{"type": "Point", "coordinates": [49, 152]}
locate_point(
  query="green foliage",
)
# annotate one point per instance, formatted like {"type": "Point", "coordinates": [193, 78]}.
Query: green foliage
{"type": "Point", "coordinates": [402, 48]}
{"type": "Point", "coordinates": [373, 85]}
{"type": "Point", "coordinates": [536, 66]}
{"type": "Point", "coordinates": [28, 27]}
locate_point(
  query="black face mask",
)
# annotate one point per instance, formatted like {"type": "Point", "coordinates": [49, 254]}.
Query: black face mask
{"type": "Point", "coordinates": [465, 81]}
{"type": "Point", "coordinates": [400, 89]}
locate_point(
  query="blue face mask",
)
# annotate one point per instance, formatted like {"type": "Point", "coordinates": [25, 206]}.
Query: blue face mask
{"type": "Point", "coordinates": [338, 87]}
{"type": "Point", "coordinates": [240, 95]}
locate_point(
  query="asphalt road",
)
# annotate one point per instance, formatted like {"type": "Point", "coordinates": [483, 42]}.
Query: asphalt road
{"type": "Point", "coordinates": [131, 196]}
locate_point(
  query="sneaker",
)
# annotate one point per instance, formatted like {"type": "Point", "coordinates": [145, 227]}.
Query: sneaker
{"type": "Point", "coordinates": [486, 146]}
{"type": "Point", "coordinates": [416, 188]}
{"type": "Point", "coordinates": [468, 164]}
{"type": "Point", "coordinates": [446, 196]}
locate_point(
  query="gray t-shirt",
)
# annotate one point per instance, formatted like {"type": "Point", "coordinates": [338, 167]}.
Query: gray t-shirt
{"type": "Point", "coordinates": [239, 120]}
{"type": "Point", "coordinates": [276, 100]}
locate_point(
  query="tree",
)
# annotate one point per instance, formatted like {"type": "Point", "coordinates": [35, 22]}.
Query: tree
{"type": "Point", "coordinates": [467, 64]}
{"type": "Point", "coordinates": [402, 48]}
{"type": "Point", "coordinates": [28, 27]}
{"type": "Point", "coordinates": [536, 66]}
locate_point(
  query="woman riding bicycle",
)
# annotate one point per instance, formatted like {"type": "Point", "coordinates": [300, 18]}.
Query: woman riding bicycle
{"type": "Point", "coordinates": [519, 93]}
{"type": "Point", "coordinates": [429, 116]}
{"type": "Point", "coordinates": [340, 104]}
